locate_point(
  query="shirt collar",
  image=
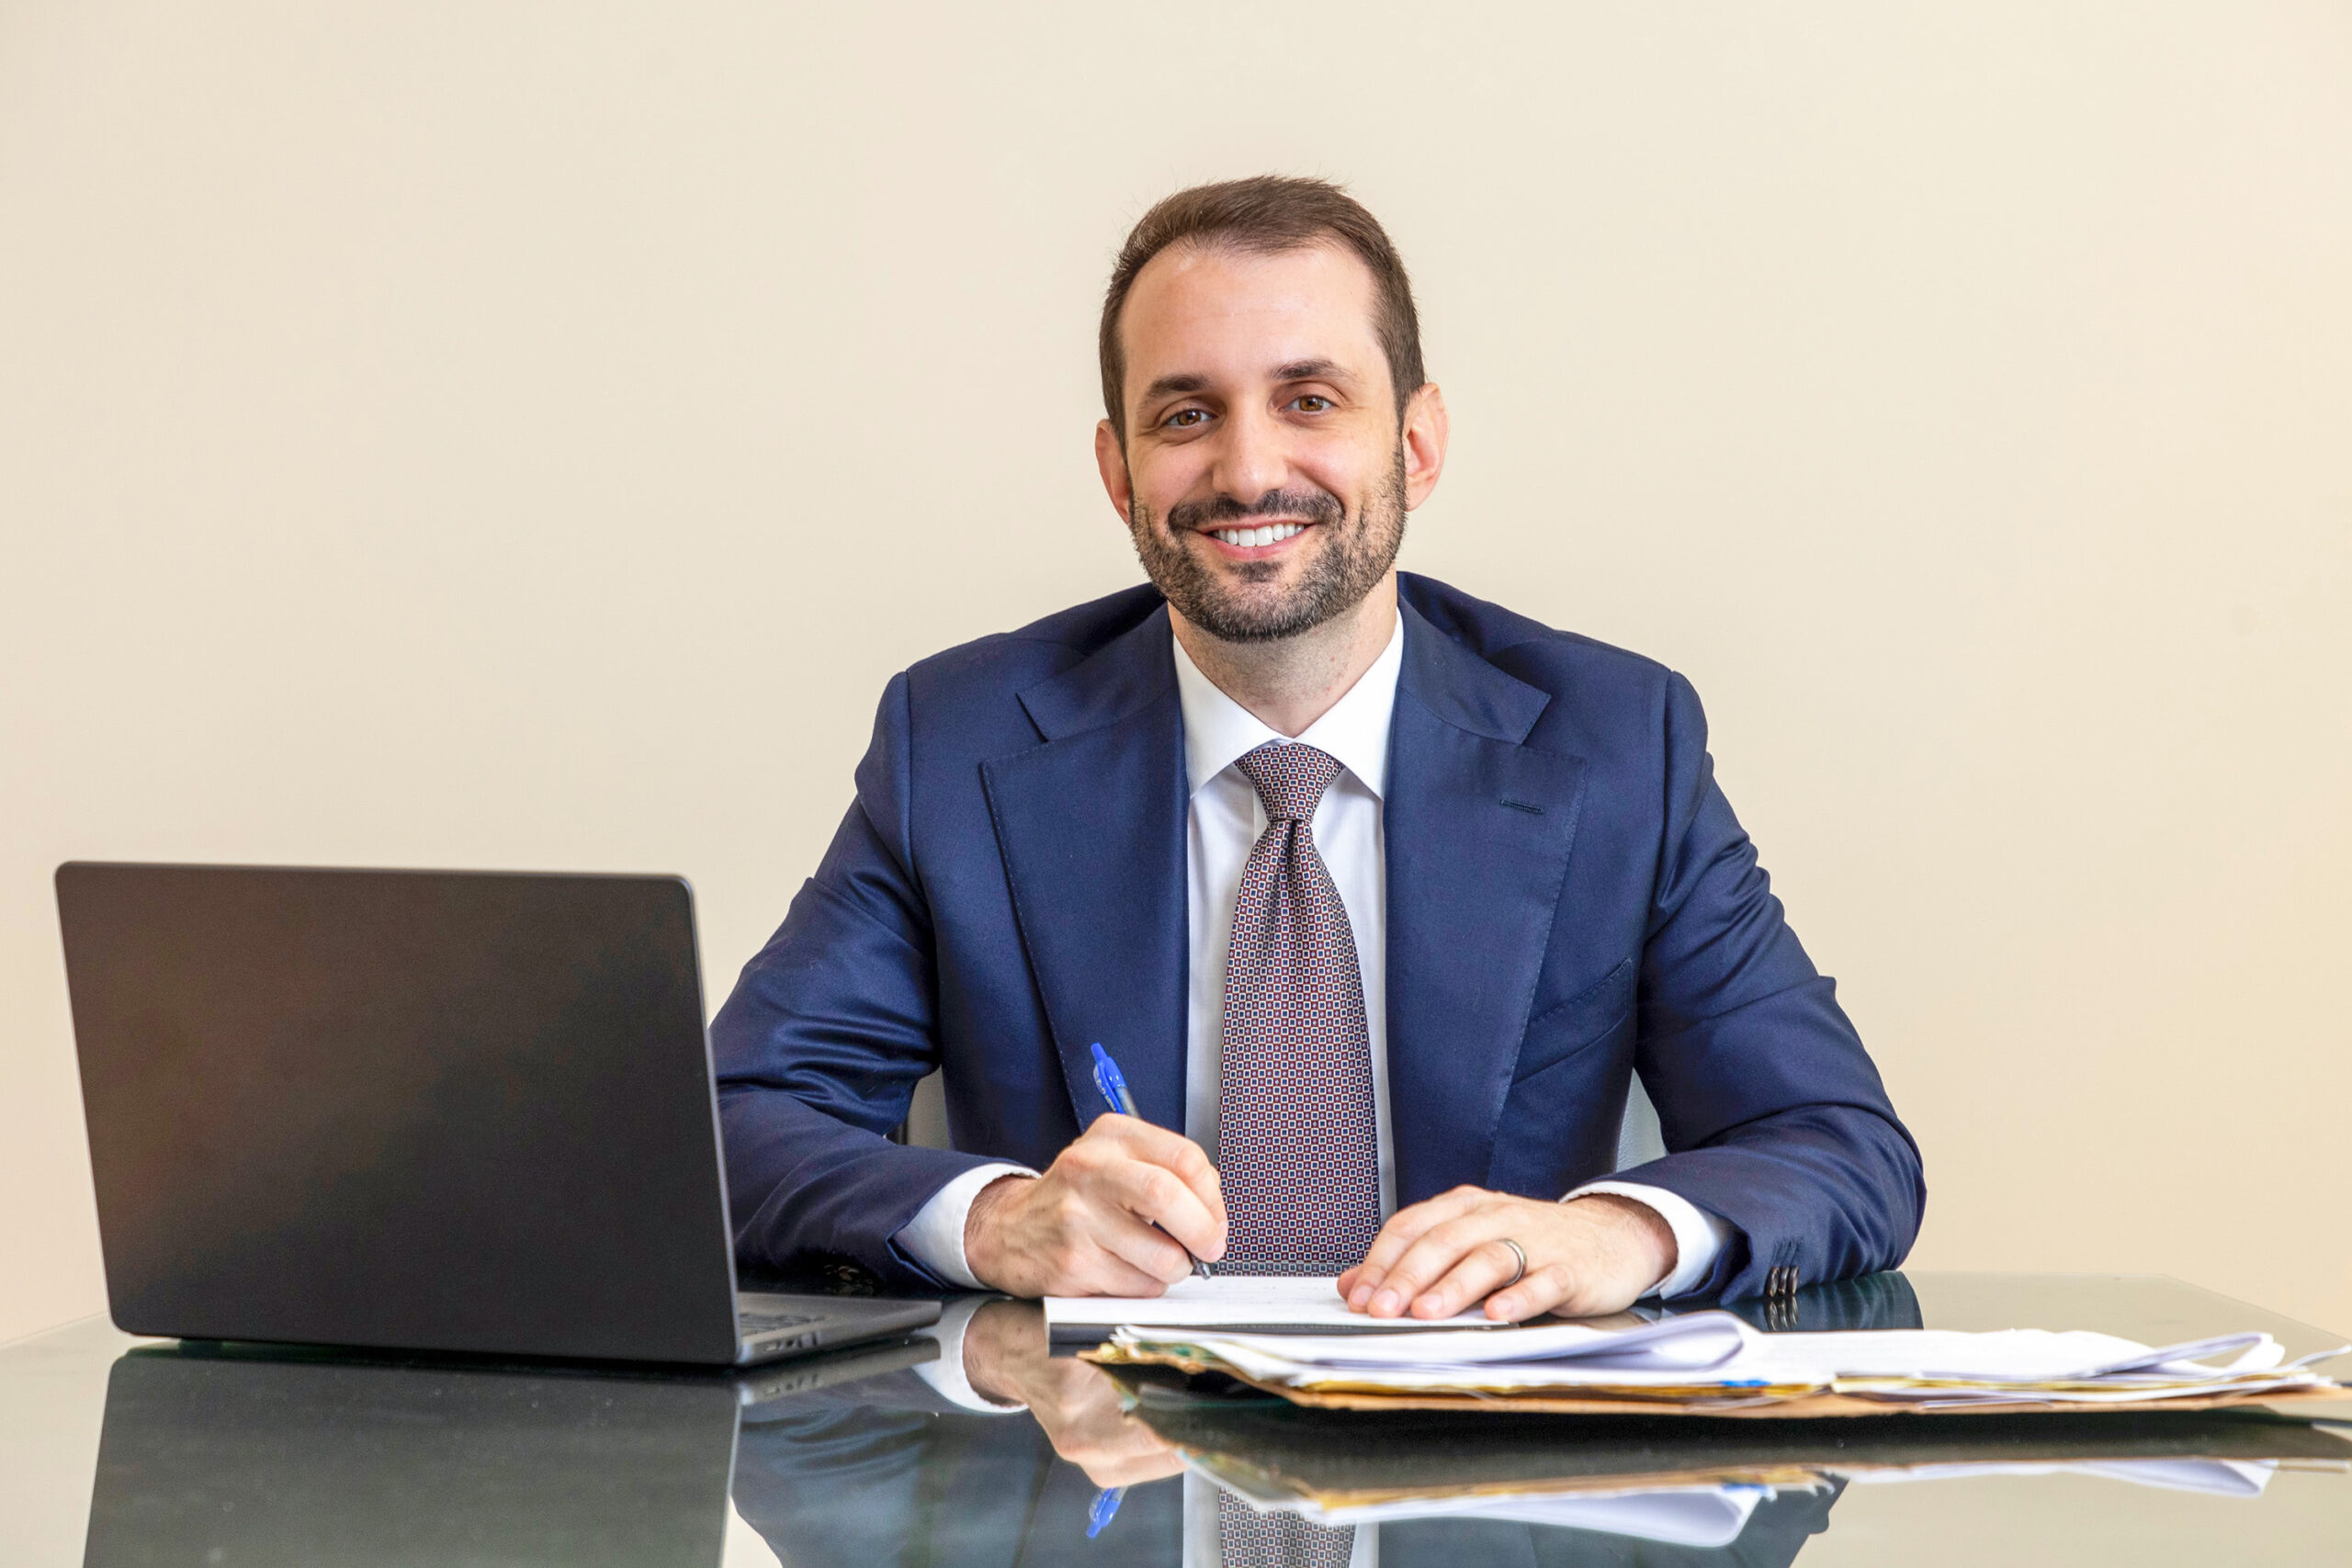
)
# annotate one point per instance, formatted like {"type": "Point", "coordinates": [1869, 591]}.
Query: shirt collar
{"type": "Point", "coordinates": [1217, 730]}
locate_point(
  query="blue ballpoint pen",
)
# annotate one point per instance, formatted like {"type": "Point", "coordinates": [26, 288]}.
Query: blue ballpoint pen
{"type": "Point", "coordinates": [1113, 1085]}
{"type": "Point", "coordinates": [1106, 1502]}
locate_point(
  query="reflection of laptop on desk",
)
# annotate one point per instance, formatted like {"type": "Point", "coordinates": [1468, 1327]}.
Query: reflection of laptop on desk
{"type": "Point", "coordinates": [426, 1110]}
{"type": "Point", "coordinates": [248, 1460]}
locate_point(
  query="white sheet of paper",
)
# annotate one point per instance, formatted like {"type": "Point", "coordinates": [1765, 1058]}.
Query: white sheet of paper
{"type": "Point", "coordinates": [1274, 1305]}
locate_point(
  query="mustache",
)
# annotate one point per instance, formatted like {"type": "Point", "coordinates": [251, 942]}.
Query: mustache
{"type": "Point", "coordinates": [1297, 505]}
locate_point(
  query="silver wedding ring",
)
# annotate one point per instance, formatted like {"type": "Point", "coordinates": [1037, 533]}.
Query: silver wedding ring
{"type": "Point", "coordinates": [1517, 1274]}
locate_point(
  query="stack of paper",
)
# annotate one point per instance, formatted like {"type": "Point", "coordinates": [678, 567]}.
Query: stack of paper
{"type": "Point", "coordinates": [1713, 1363]}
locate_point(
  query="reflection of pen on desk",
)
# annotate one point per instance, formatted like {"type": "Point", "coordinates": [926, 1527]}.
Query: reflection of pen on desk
{"type": "Point", "coordinates": [1106, 1502]}
{"type": "Point", "coordinates": [1113, 1085]}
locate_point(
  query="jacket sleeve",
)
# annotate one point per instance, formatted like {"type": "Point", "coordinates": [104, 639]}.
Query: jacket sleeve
{"type": "Point", "coordinates": [1773, 1115]}
{"type": "Point", "coordinates": [829, 1028]}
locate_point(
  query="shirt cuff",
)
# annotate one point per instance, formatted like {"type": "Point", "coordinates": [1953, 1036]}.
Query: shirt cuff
{"type": "Point", "coordinates": [946, 1375]}
{"type": "Point", "coordinates": [934, 1237]}
{"type": "Point", "coordinates": [1699, 1237]}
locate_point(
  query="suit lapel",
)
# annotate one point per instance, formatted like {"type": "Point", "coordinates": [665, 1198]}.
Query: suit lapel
{"type": "Point", "coordinates": [1092, 828]}
{"type": "Point", "coordinates": [1478, 828]}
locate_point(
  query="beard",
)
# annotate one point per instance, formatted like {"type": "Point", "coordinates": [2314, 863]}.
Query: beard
{"type": "Point", "coordinates": [1248, 604]}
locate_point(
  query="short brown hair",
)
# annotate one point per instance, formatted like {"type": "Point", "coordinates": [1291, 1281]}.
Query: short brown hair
{"type": "Point", "coordinates": [1267, 214]}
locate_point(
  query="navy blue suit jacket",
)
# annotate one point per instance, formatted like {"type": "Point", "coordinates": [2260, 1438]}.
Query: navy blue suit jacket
{"type": "Point", "coordinates": [1570, 902]}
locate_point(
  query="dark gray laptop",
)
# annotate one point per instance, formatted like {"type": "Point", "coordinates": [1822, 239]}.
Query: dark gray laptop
{"type": "Point", "coordinates": [424, 1110]}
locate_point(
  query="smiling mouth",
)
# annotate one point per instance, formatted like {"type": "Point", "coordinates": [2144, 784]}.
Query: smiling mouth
{"type": "Point", "coordinates": [1251, 538]}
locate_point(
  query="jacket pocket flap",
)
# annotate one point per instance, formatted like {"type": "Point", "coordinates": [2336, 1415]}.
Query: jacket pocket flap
{"type": "Point", "coordinates": [1561, 1031]}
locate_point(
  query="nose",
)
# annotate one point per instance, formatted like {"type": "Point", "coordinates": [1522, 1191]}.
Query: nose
{"type": "Point", "coordinates": [1250, 459]}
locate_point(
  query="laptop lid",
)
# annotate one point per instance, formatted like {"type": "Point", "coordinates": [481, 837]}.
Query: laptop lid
{"type": "Point", "coordinates": [439, 1111]}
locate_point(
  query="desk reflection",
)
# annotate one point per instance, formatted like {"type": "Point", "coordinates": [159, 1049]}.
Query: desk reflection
{"type": "Point", "coordinates": [244, 1461]}
{"type": "Point", "coordinates": [894, 1471]}
{"type": "Point", "coordinates": [861, 1459]}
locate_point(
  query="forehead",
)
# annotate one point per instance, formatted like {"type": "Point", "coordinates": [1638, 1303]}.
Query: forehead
{"type": "Point", "coordinates": [1230, 315]}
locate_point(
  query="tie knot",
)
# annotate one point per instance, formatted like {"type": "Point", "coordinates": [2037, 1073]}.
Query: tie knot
{"type": "Point", "coordinates": [1290, 778]}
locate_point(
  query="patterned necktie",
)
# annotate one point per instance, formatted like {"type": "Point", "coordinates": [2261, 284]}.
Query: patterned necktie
{"type": "Point", "coordinates": [1252, 1539]}
{"type": "Point", "coordinates": [1297, 1148]}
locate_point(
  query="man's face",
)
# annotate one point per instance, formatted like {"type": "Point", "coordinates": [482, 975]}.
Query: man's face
{"type": "Point", "coordinates": [1264, 476]}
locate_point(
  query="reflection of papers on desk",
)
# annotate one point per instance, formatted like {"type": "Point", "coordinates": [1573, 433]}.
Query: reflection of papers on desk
{"type": "Point", "coordinates": [1645, 1475]}
{"type": "Point", "coordinates": [1706, 1517]}
{"type": "Point", "coordinates": [1711, 1516]}
{"type": "Point", "coordinates": [2212, 1477]}
{"type": "Point", "coordinates": [1712, 1363]}
{"type": "Point", "coordinates": [1280, 1459]}
{"type": "Point", "coordinates": [1237, 1302]}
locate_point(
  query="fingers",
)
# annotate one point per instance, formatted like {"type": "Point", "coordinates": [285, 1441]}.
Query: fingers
{"type": "Point", "coordinates": [1155, 1194]}
{"type": "Point", "coordinates": [1485, 1267]}
{"type": "Point", "coordinates": [1112, 1272]}
{"type": "Point", "coordinates": [1452, 1264]}
{"type": "Point", "coordinates": [1080, 1409]}
{"type": "Point", "coordinates": [1114, 1215]}
{"type": "Point", "coordinates": [1543, 1290]}
{"type": "Point", "coordinates": [1051, 1235]}
{"type": "Point", "coordinates": [1174, 1152]}
{"type": "Point", "coordinates": [1132, 1469]}
{"type": "Point", "coordinates": [1362, 1285]}
{"type": "Point", "coordinates": [1584, 1258]}
{"type": "Point", "coordinates": [1097, 1248]}
{"type": "Point", "coordinates": [1141, 1247]}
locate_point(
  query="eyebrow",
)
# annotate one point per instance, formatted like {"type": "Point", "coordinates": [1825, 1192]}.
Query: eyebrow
{"type": "Point", "coordinates": [1169, 386]}
{"type": "Point", "coordinates": [1296, 370]}
{"type": "Point", "coordinates": [1312, 370]}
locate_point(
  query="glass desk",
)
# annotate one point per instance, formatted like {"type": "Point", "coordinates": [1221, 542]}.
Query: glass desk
{"type": "Point", "coordinates": [115, 1451]}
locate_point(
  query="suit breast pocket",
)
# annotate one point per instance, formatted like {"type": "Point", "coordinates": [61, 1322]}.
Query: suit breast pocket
{"type": "Point", "coordinates": [1590, 1015]}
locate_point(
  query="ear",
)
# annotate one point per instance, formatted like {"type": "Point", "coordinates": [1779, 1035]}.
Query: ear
{"type": "Point", "coordinates": [1111, 458]}
{"type": "Point", "coordinates": [1424, 436]}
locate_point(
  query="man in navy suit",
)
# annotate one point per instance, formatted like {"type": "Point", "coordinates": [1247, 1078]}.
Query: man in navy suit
{"type": "Point", "coordinates": [1379, 892]}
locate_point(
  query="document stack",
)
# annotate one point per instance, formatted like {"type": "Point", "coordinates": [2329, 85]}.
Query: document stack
{"type": "Point", "coordinates": [1713, 1363]}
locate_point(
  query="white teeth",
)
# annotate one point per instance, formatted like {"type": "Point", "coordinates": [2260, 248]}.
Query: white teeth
{"type": "Point", "coordinates": [1248, 538]}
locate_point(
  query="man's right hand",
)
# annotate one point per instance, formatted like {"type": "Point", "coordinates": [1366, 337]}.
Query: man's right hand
{"type": "Point", "coordinates": [1085, 1228]}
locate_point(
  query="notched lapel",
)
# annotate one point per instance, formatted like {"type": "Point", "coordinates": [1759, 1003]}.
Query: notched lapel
{"type": "Point", "coordinates": [1092, 828]}
{"type": "Point", "coordinates": [1479, 828]}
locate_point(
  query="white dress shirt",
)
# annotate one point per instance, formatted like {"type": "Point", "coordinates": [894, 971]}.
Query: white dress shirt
{"type": "Point", "coordinates": [1225, 822]}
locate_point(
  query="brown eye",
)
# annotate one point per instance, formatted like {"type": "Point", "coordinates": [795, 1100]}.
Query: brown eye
{"type": "Point", "coordinates": [1311, 404]}
{"type": "Point", "coordinates": [1184, 419]}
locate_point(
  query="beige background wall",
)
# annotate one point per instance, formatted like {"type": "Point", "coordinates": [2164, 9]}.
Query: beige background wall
{"type": "Point", "coordinates": [509, 435]}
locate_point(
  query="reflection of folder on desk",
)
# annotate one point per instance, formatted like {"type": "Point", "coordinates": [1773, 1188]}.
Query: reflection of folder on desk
{"type": "Point", "coordinates": [1671, 1478]}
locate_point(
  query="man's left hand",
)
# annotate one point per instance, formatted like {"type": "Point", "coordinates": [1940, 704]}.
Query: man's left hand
{"type": "Point", "coordinates": [1597, 1255]}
